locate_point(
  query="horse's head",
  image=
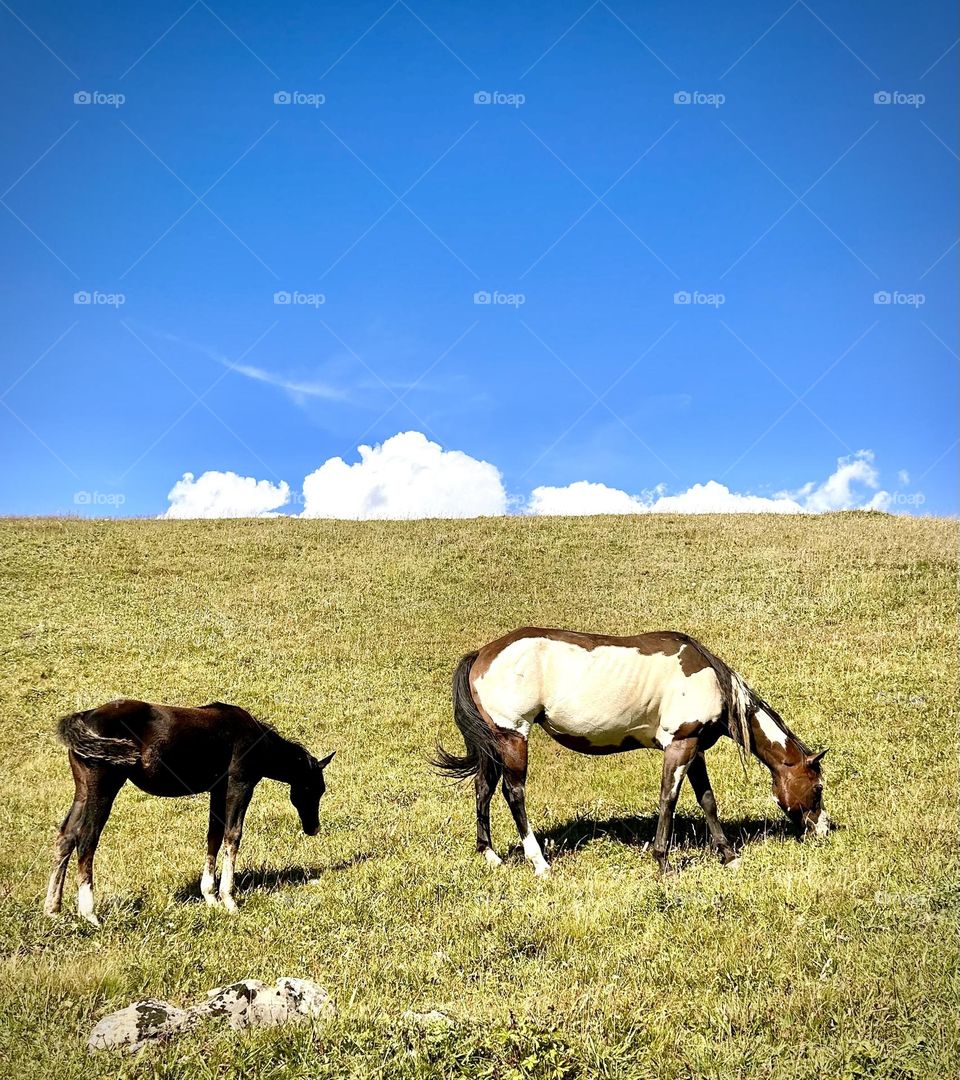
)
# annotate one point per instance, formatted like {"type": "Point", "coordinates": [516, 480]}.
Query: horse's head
{"type": "Point", "coordinates": [307, 791]}
{"type": "Point", "coordinates": [798, 789]}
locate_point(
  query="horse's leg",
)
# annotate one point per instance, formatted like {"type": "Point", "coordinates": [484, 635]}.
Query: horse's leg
{"type": "Point", "coordinates": [700, 782]}
{"type": "Point", "coordinates": [63, 849]}
{"type": "Point", "coordinates": [239, 794]}
{"type": "Point", "coordinates": [215, 828]}
{"type": "Point", "coordinates": [676, 761]}
{"type": "Point", "coordinates": [514, 755]}
{"type": "Point", "coordinates": [102, 787]}
{"type": "Point", "coordinates": [486, 784]}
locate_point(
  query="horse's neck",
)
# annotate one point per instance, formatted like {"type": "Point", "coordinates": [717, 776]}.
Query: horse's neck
{"type": "Point", "coordinates": [772, 744]}
{"type": "Point", "coordinates": [284, 759]}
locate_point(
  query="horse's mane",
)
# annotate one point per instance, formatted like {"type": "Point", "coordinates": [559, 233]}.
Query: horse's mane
{"type": "Point", "coordinates": [268, 730]}
{"type": "Point", "coordinates": [757, 702]}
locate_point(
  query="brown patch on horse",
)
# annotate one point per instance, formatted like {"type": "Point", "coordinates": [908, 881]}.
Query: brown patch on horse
{"type": "Point", "coordinates": [513, 751]}
{"type": "Point", "coordinates": [583, 745]}
{"type": "Point", "coordinates": [692, 660]}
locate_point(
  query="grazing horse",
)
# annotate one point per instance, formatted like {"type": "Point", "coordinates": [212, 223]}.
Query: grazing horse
{"type": "Point", "coordinates": [605, 695]}
{"type": "Point", "coordinates": [170, 751]}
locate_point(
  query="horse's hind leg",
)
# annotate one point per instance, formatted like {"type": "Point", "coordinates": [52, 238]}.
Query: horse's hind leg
{"type": "Point", "coordinates": [215, 827]}
{"type": "Point", "coordinates": [486, 784]}
{"type": "Point", "coordinates": [102, 788]}
{"type": "Point", "coordinates": [514, 756]}
{"type": "Point", "coordinates": [63, 848]}
{"type": "Point", "coordinates": [700, 782]}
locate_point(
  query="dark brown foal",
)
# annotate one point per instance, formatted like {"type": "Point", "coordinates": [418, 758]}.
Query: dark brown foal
{"type": "Point", "coordinates": [170, 751]}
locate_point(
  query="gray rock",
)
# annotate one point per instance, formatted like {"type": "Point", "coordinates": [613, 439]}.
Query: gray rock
{"type": "Point", "coordinates": [137, 1024]}
{"type": "Point", "coordinates": [248, 1003]}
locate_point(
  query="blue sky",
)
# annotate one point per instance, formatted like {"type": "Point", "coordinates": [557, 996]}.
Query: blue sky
{"type": "Point", "coordinates": [780, 199]}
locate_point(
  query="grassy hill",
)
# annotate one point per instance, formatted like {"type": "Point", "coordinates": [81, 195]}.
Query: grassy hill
{"type": "Point", "coordinates": [836, 959]}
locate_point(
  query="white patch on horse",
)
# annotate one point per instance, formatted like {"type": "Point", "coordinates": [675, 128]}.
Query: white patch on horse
{"type": "Point", "coordinates": [492, 857]}
{"type": "Point", "coordinates": [770, 728]}
{"type": "Point", "coordinates": [85, 903]}
{"type": "Point", "coordinates": [678, 774]}
{"type": "Point", "coordinates": [226, 878]}
{"type": "Point", "coordinates": [532, 851]}
{"type": "Point", "coordinates": [208, 882]}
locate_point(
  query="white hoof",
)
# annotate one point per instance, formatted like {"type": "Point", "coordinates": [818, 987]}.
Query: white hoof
{"type": "Point", "coordinates": [91, 918]}
{"type": "Point", "coordinates": [492, 858]}
{"type": "Point", "coordinates": [733, 864]}
{"type": "Point", "coordinates": [542, 872]}
{"type": "Point", "coordinates": [229, 904]}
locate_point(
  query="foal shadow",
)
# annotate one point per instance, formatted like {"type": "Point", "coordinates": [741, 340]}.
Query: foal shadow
{"type": "Point", "coordinates": [270, 878]}
{"type": "Point", "coordinates": [689, 833]}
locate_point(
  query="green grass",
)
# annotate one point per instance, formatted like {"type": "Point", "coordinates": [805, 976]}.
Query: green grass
{"type": "Point", "coordinates": [836, 959]}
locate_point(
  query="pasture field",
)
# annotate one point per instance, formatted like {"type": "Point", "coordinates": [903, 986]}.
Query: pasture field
{"type": "Point", "coordinates": [835, 959]}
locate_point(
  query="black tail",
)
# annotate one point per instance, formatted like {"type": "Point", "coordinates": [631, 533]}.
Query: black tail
{"type": "Point", "coordinates": [87, 744]}
{"type": "Point", "coordinates": [479, 739]}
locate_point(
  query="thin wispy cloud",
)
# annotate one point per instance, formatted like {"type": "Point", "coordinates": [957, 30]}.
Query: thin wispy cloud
{"type": "Point", "coordinates": [298, 389]}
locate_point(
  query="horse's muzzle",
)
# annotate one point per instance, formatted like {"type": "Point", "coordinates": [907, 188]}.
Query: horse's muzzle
{"type": "Point", "coordinates": [819, 826]}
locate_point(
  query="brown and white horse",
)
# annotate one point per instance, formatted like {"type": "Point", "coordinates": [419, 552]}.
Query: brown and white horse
{"type": "Point", "coordinates": [167, 750]}
{"type": "Point", "coordinates": [605, 695]}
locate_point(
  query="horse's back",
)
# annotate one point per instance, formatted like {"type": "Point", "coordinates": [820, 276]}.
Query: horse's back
{"type": "Point", "coordinates": [181, 750]}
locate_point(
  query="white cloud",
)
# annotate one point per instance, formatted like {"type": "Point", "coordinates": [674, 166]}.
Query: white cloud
{"type": "Point", "coordinates": [297, 388]}
{"type": "Point", "coordinates": [838, 492]}
{"type": "Point", "coordinates": [581, 498]}
{"type": "Point", "coordinates": [224, 495]}
{"type": "Point", "coordinates": [714, 498]}
{"type": "Point", "coordinates": [407, 476]}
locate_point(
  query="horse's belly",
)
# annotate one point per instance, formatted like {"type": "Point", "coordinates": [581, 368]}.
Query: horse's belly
{"type": "Point", "coordinates": [609, 697]}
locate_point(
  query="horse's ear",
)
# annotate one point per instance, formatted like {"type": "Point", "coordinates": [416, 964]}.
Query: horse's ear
{"type": "Point", "coordinates": [324, 762]}
{"type": "Point", "coordinates": [815, 759]}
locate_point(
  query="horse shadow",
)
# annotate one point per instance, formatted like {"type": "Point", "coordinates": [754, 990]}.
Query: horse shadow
{"type": "Point", "coordinates": [271, 878]}
{"type": "Point", "coordinates": [638, 831]}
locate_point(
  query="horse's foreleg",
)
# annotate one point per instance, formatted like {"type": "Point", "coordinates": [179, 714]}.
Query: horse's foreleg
{"type": "Point", "coordinates": [486, 784]}
{"type": "Point", "coordinates": [237, 800]}
{"type": "Point", "coordinates": [215, 829]}
{"type": "Point", "coordinates": [700, 782]}
{"type": "Point", "coordinates": [514, 755]}
{"type": "Point", "coordinates": [676, 761]}
{"type": "Point", "coordinates": [63, 849]}
{"type": "Point", "coordinates": [102, 789]}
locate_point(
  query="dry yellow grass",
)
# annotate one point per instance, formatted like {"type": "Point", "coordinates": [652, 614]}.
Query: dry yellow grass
{"type": "Point", "coordinates": [823, 960]}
